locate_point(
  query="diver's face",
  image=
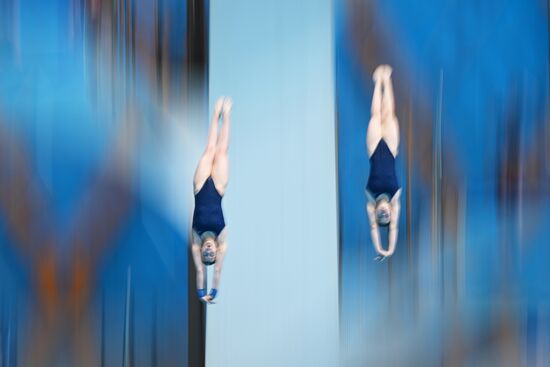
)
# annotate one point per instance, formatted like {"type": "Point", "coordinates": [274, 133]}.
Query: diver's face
{"type": "Point", "coordinates": [383, 212]}
{"type": "Point", "coordinates": [208, 250]}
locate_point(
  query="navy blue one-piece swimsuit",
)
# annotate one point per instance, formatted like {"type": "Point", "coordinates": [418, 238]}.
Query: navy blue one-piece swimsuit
{"type": "Point", "coordinates": [382, 177]}
{"type": "Point", "coordinates": [208, 214]}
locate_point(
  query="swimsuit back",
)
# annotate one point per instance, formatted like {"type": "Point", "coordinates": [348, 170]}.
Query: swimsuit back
{"type": "Point", "coordinates": [208, 213]}
{"type": "Point", "coordinates": [382, 177]}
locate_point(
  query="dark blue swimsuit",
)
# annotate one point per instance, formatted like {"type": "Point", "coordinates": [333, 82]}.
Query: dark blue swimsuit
{"type": "Point", "coordinates": [208, 214]}
{"type": "Point", "coordinates": [382, 177]}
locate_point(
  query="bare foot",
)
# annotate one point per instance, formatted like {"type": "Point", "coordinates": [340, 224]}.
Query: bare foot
{"type": "Point", "coordinates": [218, 107]}
{"type": "Point", "coordinates": [227, 105]}
{"type": "Point", "coordinates": [387, 71]}
{"type": "Point", "coordinates": [379, 73]}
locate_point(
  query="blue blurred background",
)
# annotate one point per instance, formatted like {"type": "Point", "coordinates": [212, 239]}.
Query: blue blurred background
{"type": "Point", "coordinates": [467, 285]}
{"type": "Point", "coordinates": [96, 126]}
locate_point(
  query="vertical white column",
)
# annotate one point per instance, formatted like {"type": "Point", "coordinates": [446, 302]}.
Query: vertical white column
{"type": "Point", "coordinates": [278, 302]}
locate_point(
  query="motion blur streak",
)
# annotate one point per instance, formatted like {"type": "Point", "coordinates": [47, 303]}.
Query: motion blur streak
{"type": "Point", "coordinates": [98, 122]}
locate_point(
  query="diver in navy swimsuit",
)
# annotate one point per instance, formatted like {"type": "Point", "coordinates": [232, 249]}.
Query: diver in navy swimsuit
{"type": "Point", "coordinates": [209, 237]}
{"type": "Point", "coordinates": [383, 190]}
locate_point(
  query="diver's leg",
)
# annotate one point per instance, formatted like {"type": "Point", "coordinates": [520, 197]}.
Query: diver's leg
{"type": "Point", "coordinates": [374, 130]}
{"type": "Point", "coordinates": [377, 77]}
{"type": "Point", "coordinates": [220, 170]}
{"type": "Point", "coordinates": [206, 162]}
{"type": "Point", "coordinates": [390, 125]}
{"type": "Point", "coordinates": [388, 101]}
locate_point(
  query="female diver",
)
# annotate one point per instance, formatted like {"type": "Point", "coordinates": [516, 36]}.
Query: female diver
{"type": "Point", "coordinates": [209, 233]}
{"type": "Point", "coordinates": [382, 190]}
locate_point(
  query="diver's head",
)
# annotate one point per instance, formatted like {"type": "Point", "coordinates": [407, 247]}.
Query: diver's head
{"type": "Point", "coordinates": [209, 248]}
{"type": "Point", "coordinates": [383, 210]}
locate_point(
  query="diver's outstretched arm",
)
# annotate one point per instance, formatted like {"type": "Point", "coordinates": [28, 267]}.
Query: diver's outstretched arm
{"type": "Point", "coordinates": [374, 233]}
{"type": "Point", "coordinates": [374, 230]}
{"type": "Point", "coordinates": [394, 222]}
{"type": "Point", "coordinates": [222, 248]}
{"type": "Point", "coordinates": [220, 256]}
{"type": "Point", "coordinates": [199, 266]}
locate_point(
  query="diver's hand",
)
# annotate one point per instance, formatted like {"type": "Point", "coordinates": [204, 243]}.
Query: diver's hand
{"type": "Point", "coordinates": [201, 292]}
{"type": "Point", "coordinates": [380, 258]}
{"type": "Point", "coordinates": [208, 299]}
{"type": "Point", "coordinates": [211, 295]}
